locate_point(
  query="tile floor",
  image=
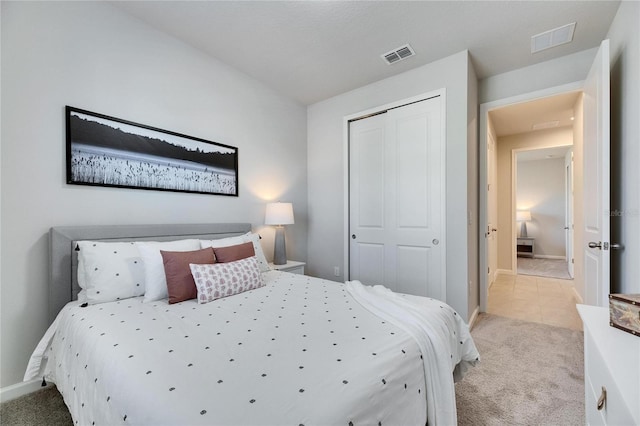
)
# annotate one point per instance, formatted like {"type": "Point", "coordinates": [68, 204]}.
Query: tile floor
{"type": "Point", "coordinates": [536, 299]}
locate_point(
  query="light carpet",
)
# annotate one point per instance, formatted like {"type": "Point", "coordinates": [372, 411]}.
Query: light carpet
{"type": "Point", "coordinates": [551, 268]}
{"type": "Point", "coordinates": [529, 374]}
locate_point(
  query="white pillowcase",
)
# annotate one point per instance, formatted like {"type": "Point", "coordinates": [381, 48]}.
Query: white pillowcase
{"type": "Point", "coordinates": [249, 237]}
{"type": "Point", "coordinates": [109, 271]}
{"type": "Point", "coordinates": [155, 284]}
{"type": "Point", "coordinates": [222, 242]}
{"type": "Point", "coordinates": [257, 248]}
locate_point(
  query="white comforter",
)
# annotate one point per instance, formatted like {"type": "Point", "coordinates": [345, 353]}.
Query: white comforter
{"type": "Point", "coordinates": [298, 351]}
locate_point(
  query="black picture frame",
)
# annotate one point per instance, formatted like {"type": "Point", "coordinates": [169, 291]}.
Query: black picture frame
{"type": "Point", "coordinates": [109, 151]}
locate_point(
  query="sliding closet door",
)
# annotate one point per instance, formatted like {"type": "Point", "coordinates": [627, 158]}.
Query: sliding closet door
{"type": "Point", "coordinates": [367, 188]}
{"type": "Point", "coordinates": [397, 199]}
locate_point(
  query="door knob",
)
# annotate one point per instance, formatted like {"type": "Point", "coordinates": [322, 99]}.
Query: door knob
{"type": "Point", "coordinates": [435, 241]}
{"type": "Point", "coordinates": [597, 245]}
{"type": "Point", "coordinates": [353, 236]}
{"type": "Point", "coordinates": [566, 227]}
{"type": "Point", "coordinates": [616, 246]}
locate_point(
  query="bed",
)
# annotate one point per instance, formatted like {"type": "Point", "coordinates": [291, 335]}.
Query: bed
{"type": "Point", "coordinates": [298, 350]}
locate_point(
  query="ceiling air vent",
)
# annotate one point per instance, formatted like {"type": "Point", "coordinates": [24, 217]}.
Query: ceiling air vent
{"type": "Point", "coordinates": [545, 125]}
{"type": "Point", "coordinates": [552, 38]}
{"type": "Point", "coordinates": [397, 55]}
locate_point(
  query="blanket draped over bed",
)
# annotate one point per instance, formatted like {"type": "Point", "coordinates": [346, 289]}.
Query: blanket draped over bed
{"type": "Point", "coordinates": [441, 335]}
{"type": "Point", "coordinates": [298, 351]}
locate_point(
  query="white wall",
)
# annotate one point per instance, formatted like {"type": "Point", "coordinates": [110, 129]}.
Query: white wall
{"type": "Point", "coordinates": [506, 146]}
{"type": "Point", "coordinates": [472, 191]}
{"type": "Point", "coordinates": [552, 73]}
{"type": "Point", "coordinates": [327, 167]}
{"type": "Point", "coordinates": [540, 188]}
{"type": "Point", "coordinates": [93, 56]}
{"type": "Point", "coordinates": [624, 36]}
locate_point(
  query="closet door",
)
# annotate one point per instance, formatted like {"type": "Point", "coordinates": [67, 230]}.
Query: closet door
{"type": "Point", "coordinates": [397, 198]}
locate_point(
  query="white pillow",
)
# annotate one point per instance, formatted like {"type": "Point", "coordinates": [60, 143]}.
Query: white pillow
{"type": "Point", "coordinates": [249, 237]}
{"type": "Point", "coordinates": [257, 248]}
{"type": "Point", "coordinates": [222, 242]}
{"type": "Point", "coordinates": [155, 281]}
{"type": "Point", "coordinates": [109, 271]}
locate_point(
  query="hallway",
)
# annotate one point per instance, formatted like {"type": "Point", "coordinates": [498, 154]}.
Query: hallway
{"type": "Point", "coordinates": [536, 299]}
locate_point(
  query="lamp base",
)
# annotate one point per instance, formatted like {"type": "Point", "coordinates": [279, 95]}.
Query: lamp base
{"type": "Point", "coordinates": [279, 248]}
{"type": "Point", "coordinates": [523, 229]}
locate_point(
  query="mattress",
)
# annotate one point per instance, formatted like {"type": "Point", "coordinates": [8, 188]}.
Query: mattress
{"type": "Point", "coordinates": [300, 350]}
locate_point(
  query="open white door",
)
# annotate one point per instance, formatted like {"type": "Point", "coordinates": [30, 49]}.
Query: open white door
{"type": "Point", "coordinates": [492, 208]}
{"type": "Point", "coordinates": [596, 180]}
{"type": "Point", "coordinates": [568, 168]}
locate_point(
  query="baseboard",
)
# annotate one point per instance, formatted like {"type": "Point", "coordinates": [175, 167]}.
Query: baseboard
{"type": "Point", "coordinates": [549, 256]}
{"type": "Point", "coordinates": [474, 317]}
{"type": "Point", "coordinates": [8, 393]}
{"type": "Point", "coordinates": [578, 297]}
{"type": "Point", "coordinates": [505, 272]}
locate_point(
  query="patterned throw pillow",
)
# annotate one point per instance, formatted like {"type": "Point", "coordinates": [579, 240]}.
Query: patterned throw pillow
{"type": "Point", "coordinates": [226, 279]}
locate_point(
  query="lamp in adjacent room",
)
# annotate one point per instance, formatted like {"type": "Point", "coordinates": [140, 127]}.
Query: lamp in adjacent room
{"type": "Point", "coordinates": [279, 214]}
{"type": "Point", "coordinates": [523, 216]}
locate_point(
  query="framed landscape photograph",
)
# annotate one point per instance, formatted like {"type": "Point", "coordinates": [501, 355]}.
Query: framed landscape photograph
{"type": "Point", "coordinates": [108, 151]}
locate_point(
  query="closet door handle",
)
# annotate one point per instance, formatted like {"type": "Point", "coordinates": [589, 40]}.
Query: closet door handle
{"type": "Point", "coordinates": [602, 401]}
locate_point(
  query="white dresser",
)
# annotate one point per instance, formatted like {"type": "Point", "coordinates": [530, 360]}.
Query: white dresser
{"type": "Point", "coordinates": [611, 366]}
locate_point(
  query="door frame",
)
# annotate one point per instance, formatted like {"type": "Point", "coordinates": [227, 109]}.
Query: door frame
{"type": "Point", "coordinates": [485, 108]}
{"type": "Point", "coordinates": [346, 163]}
{"type": "Point", "coordinates": [514, 200]}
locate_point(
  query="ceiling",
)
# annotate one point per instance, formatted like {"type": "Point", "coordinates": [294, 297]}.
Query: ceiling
{"type": "Point", "coordinates": [314, 50]}
{"type": "Point", "coordinates": [521, 118]}
{"type": "Point", "coordinates": [543, 154]}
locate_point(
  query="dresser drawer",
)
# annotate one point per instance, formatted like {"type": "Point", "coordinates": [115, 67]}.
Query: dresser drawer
{"type": "Point", "coordinates": [298, 270]}
{"type": "Point", "coordinates": [597, 376]}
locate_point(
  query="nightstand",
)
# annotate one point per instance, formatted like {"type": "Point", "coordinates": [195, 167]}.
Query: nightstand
{"type": "Point", "coordinates": [291, 266]}
{"type": "Point", "coordinates": [525, 246]}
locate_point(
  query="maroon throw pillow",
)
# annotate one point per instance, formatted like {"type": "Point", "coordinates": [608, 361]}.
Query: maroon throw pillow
{"type": "Point", "coordinates": [180, 283]}
{"type": "Point", "coordinates": [233, 253]}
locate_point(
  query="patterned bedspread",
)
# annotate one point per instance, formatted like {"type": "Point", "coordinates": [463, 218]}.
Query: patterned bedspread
{"type": "Point", "coordinates": [298, 351]}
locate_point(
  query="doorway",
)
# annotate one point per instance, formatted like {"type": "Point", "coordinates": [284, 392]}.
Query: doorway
{"type": "Point", "coordinates": [591, 189]}
{"type": "Point", "coordinates": [539, 131]}
{"type": "Point", "coordinates": [543, 208]}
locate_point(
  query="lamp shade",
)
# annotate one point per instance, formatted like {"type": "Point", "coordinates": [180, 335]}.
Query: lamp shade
{"type": "Point", "coordinates": [523, 215]}
{"type": "Point", "coordinates": [279, 214]}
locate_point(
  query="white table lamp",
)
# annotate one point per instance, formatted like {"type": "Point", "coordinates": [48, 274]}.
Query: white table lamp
{"type": "Point", "coordinates": [523, 216]}
{"type": "Point", "coordinates": [279, 214]}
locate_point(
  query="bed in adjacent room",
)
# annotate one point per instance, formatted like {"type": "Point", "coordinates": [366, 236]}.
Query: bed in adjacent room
{"type": "Point", "coordinates": [277, 348]}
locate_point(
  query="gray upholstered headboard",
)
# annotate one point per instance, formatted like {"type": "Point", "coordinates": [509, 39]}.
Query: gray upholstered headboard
{"type": "Point", "coordinates": [63, 258]}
